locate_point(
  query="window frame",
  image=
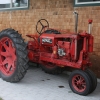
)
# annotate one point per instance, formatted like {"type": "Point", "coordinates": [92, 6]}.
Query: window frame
{"type": "Point", "coordinates": [82, 4]}
{"type": "Point", "coordinates": [15, 8]}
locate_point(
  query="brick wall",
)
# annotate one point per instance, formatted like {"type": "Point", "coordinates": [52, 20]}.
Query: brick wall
{"type": "Point", "coordinates": [59, 13]}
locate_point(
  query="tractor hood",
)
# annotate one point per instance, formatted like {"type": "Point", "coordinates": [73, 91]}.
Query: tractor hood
{"type": "Point", "coordinates": [47, 39]}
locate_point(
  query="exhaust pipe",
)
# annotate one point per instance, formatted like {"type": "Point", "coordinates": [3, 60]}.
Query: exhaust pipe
{"type": "Point", "coordinates": [76, 20]}
{"type": "Point", "coordinates": [90, 22]}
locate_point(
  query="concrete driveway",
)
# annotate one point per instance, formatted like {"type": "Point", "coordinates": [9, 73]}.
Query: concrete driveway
{"type": "Point", "coordinates": [38, 85]}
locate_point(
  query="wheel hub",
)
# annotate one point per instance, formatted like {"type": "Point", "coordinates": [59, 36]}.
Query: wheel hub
{"type": "Point", "coordinates": [79, 83]}
{"type": "Point", "coordinates": [7, 56]}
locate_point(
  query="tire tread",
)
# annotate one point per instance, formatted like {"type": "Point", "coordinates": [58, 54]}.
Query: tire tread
{"type": "Point", "coordinates": [21, 54]}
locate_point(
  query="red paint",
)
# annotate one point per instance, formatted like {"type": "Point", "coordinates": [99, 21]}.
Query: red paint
{"type": "Point", "coordinates": [75, 46]}
{"type": "Point", "coordinates": [7, 56]}
{"type": "Point", "coordinates": [90, 42]}
{"type": "Point", "coordinates": [90, 21]}
{"type": "Point", "coordinates": [55, 53]}
{"type": "Point", "coordinates": [48, 65]}
{"type": "Point", "coordinates": [78, 83]}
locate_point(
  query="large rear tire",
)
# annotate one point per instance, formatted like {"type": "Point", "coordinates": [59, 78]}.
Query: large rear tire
{"type": "Point", "coordinates": [13, 56]}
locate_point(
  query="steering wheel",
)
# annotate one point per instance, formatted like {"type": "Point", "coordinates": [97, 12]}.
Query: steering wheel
{"type": "Point", "coordinates": [44, 25]}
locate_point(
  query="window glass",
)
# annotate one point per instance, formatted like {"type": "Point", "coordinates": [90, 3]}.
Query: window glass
{"type": "Point", "coordinates": [19, 3]}
{"type": "Point", "coordinates": [12, 4]}
{"type": "Point", "coordinates": [5, 4]}
{"type": "Point", "coordinates": [87, 2]}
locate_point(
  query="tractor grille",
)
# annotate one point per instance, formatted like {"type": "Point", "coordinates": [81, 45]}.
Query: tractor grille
{"type": "Point", "coordinates": [79, 47]}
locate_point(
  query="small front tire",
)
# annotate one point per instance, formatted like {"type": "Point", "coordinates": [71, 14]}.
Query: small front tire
{"type": "Point", "coordinates": [80, 82]}
{"type": "Point", "coordinates": [93, 79]}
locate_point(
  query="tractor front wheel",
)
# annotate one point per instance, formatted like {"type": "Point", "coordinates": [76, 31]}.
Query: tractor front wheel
{"type": "Point", "coordinates": [13, 56]}
{"type": "Point", "coordinates": [93, 79]}
{"type": "Point", "coordinates": [80, 82]}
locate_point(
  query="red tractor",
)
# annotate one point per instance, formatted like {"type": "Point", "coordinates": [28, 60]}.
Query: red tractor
{"type": "Point", "coordinates": [53, 51]}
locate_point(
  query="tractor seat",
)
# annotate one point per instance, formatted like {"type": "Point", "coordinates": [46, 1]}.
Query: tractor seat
{"type": "Point", "coordinates": [49, 31]}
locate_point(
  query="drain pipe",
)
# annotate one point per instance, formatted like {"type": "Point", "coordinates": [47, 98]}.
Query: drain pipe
{"type": "Point", "coordinates": [76, 20]}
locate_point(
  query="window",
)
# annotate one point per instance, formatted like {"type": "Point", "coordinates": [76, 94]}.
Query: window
{"type": "Point", "coordinates": [86, 3]}
{"type": "Point", "coordinates": [13, 4]}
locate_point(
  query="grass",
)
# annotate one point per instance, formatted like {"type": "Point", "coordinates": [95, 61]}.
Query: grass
{"type": "Point", "coordinates": [1, 98]}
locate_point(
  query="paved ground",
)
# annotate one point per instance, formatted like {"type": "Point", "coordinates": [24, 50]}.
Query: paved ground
{"type": "Point", "coordinates": [38, 85]}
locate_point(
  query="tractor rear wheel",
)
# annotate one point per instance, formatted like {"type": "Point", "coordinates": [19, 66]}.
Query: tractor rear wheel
{"type": "Point", "coordinates": [93, 79]}
{"type": "Point", "coordinates": [80, 82]}
{"type": "Point", "coordinates": [51, 68]}
{"type": "Point", "coordinates": [13, 56]}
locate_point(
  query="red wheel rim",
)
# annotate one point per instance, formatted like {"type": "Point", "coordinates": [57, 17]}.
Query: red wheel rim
{"type": "Point", "coordinates": [79, 83]}
{"type": "Point", "coordinates": [7, 56]}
